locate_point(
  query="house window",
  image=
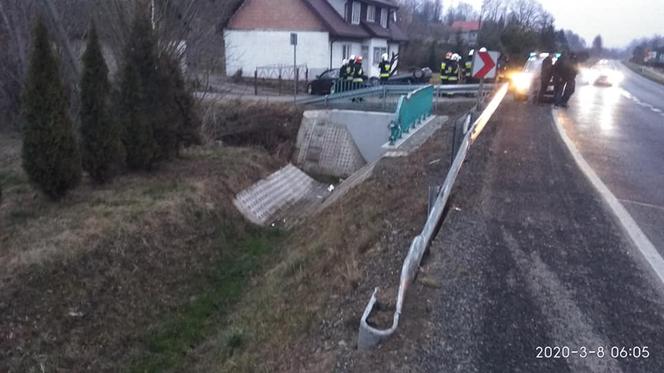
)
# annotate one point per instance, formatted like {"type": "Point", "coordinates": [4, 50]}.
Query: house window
{"type": "Point", "coordinates": [346, 51]}
{"type": "Point", "coordinates": [357, 7]}
{"type": "Point", "coordinates": [371, 13]}
{"type": "Point", "coordinates": [378, 53]}
{"type": "Point", "coordinates": [383, 17]}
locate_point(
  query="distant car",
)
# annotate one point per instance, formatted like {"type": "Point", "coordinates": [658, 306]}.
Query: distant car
{"type": "Point", "coordinates": [324, 84]}
{"type": "Point", "coordinates": [602, 74]}
{"type": "Point", "coordinates": [603, 80]}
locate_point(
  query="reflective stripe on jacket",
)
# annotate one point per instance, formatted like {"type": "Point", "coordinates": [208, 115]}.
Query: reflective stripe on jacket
{"type": "Point", "coordinates": [384, 69]}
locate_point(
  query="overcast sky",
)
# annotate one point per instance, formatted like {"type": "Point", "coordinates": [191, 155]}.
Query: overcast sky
{"type": "Point", "coordinates": [618, 21]}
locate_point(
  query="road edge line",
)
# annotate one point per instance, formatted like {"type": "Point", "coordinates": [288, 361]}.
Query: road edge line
{"type": "Point", "coordinates": [646, 248]}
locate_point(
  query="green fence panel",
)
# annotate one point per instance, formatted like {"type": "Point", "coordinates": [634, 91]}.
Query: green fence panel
{"type": "Point", "coordinates": [412, 110]}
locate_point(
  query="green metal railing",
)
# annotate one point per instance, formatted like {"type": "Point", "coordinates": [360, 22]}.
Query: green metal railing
{"type": "Point", "coordinates": [412, 110]}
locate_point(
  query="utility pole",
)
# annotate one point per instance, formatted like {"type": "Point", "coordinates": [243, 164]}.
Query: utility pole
{"type": "Point", "coordinates": [293, 41]}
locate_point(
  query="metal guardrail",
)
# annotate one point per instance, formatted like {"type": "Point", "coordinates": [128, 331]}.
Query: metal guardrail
{"type": "Point", "coordinates": [412, 110]}
{"type": "Point", "coordinates": [393, 89]}
{"type": "Point", "coordinates": [370, 336]}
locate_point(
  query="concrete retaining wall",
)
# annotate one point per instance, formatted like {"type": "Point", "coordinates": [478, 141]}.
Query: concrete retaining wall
{"type": "Point", "coordinates": [340, 142]}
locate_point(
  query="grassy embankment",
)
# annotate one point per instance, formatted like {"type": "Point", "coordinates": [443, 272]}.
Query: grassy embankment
{"type": "Point", "coordinates": [645, 72]}
{"type": "Point", "coordinates": [134, 274]}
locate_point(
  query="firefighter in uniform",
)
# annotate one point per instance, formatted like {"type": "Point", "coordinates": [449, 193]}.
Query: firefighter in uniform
{"type": "Point", "coordinates": [443, 67]}
{"type": "Point", "coordinates": [385, 68]}
{"type": "Point", "coordinates": [468, 68]}
{"type": "Point", "coordinates": [453, 69]}
{"type": "Point", "coordinates": [343, 69]}
{"type": "Point", "coordinates": [358, 72]}
{"type": "Point", "coordinates": [347, 80]}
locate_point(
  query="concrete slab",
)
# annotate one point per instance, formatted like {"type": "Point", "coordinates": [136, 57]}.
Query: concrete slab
{"type": "Point", "coordinates": [265, 201]}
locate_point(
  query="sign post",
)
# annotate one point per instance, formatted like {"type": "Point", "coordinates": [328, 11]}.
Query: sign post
{"type": "Point", "coordinates": [293, 42]}
{"type": "Point", "coordinates": [485, 66]}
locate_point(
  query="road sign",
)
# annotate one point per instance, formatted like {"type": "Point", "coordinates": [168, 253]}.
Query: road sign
{"type": "Point", "coordinates": [293, 38]}
{"type": "Point", "coordinates": [485, 65]}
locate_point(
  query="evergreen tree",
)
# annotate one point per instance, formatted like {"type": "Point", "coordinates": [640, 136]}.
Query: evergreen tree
{"type": "Point", "coordinates": [138, 96]}
{"type": "Point", "coordinates": [178, 105]}
{"type": "Point", "coordinates": [100, 137]}
{"type": "Point", "coordinates": [51, 157]}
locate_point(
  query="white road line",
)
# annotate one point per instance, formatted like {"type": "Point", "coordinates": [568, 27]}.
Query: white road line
{"type": "Point", "coordinates": [641, 241]}
{"type": "Point", "coordinates": [629, 96]}
{"type": "Point", "coordinates": [643, 204]}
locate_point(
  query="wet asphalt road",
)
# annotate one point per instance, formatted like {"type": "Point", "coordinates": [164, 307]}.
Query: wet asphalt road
{"type": "Point", "coordinates": [620, 132]}
{"type": "Point", "coordinates": [528, 258]}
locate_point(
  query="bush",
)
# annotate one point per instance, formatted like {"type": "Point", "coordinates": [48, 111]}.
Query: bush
{"type": "Point", "coordinates": [51, 157]}
{"type": "Point", "coordinates": [273, 127]}
{"type": "Point", "coordinates": [100, 138]}
{"type": "Point", "coordinates": [237, 76]}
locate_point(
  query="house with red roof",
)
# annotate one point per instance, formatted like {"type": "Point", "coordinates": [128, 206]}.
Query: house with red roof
{"type": "Point", "coordinates": [465, 32]}
{"type": "Point", "coordinates": [258, 34]}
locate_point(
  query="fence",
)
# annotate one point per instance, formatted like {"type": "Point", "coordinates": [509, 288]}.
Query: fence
{"type": "Point", "coordinates": [370, 336]}
{"type": "Point", "coordinates": [270, 79]}
{"type": "Point", "coordinates": [411, 110]}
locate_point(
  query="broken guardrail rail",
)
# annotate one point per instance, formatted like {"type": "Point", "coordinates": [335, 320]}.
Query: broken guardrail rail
{"type": "Point", "coordinates": [370, 336]}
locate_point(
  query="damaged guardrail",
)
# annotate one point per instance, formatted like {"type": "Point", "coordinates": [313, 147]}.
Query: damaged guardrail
{"type": "Point", "coordinates": [370, 336]}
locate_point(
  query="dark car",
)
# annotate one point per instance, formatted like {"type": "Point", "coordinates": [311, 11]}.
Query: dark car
{"type": "Point", "coordinates": [324, 83]}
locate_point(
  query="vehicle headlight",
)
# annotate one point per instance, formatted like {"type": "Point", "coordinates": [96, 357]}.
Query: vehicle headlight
{"type": "Point", "coordinates": [522, 81]}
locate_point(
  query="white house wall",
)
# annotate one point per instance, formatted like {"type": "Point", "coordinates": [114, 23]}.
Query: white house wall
{"type": "Point", "coordinates": [375, 43]}
{"type": "Point", "coordinates": [337, 50]}
{"type": "Point", "coordinates": [356, 48]}
{"type": "Point", "coordinates": [247, 49]}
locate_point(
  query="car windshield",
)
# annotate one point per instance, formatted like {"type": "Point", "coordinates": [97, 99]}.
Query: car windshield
{"type": "Point", "coordinates": [533, 65]}
{"type": "Point", "coordinates": [330, 74]}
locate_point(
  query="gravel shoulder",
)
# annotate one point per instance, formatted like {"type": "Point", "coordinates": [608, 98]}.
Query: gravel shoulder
{"type": "Point", "coordinates": [528, 256]}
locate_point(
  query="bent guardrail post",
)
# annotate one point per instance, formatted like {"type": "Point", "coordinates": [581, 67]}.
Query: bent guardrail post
{"type": "Point", "coordinates": [370, 336]}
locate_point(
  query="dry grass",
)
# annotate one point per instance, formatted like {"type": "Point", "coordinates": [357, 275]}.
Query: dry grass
{"type": "Point", "coordinates": [96, 279]}
{"type": "Point", "coordinates": [34, 230]}
{"type": "Point", "coordinates": [310, 300]}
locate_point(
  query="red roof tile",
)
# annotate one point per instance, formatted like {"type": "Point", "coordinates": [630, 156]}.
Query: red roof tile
{"type": "Point", "coordinates": [466, 25]}
{"type": "Point", "coordinates": [267, 14]}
